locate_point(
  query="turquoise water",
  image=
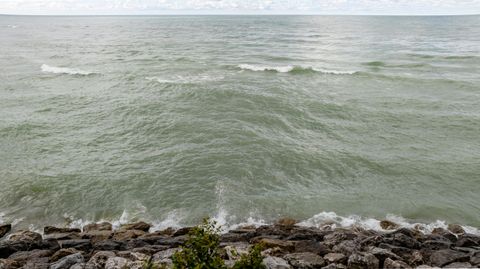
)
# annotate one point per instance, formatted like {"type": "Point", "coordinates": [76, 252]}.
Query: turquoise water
{"type": "Point", "coordinates": [243, 118]}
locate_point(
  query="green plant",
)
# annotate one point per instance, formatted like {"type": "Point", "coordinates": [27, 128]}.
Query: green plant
{"type": "Point", "coordinates": [252, 260]}
{"type": "Point", "coordinates": [201, 251]}
{"type": "Point", "coordinates": [150, 265]}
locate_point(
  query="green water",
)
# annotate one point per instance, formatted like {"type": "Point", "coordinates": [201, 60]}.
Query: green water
{"type": "Point", "coordinates": [170, 119]}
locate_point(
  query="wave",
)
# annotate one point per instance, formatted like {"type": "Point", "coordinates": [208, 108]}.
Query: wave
{"type": "Point", "coordinates": [185, 79]}
{"type": "Point", "coordinates": [174, 220]}
{"type": "Point", "coordinates": [293, 69]}
{"type": "Point", "coordinates": [64, 70]}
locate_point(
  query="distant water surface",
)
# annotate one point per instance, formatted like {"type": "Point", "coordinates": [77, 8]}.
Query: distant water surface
{"type": "Point", "coordinates": [243, 118]}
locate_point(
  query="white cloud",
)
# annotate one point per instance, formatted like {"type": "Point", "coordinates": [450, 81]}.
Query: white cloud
{"type": "Point", "coordinates": [262, 6]}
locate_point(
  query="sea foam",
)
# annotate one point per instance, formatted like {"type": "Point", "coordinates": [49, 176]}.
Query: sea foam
{"type": "Point", "coordinates": [64, 70]}
{"type": "Point", "coordinates": [293, 69]}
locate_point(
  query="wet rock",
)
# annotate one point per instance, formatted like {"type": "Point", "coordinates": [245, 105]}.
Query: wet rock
{"type": "Point", "coordinates": [456, 229]}
{"type": "Point", "coordinates": [388, 225]}
{"type": "Point", "coordinates": [150, 249]}
{"type": "Point", "coordinates": [272, 243]}
{"type": "Point", "coordinates": [164, 258]}
{"type": "Point", "coordinates": [63, 253]}
{"type": "Point", "coordinates": [133, 256]}
{"type": "Point", "coordinates": [37, 263]}
{"type": "Point", "coordinates": [63, 236]}
{"type": "Point", "coordinates": [459, 265]}
{"type": "Point", "coordinates": [9, 247]}
{"type": "Point", "coordinates": [182, 231]}
{"type": "Point", "coordinates": [52, 230]}
{"type": "Point", "coordinates": [108, 245]}
{"type": "Point", "coordinates": [391, 264]}
{"type": "Point", "coordinates": [305, 260]}
{"type": "Point", "coordinates": [447, 256]}
{"type": "Point", "coordinates": [68, 261]}
{"type": "Point", "coordinates": [173, 241]}
{"type": "Point", "coordinates": [236, 237]}
{"type": "Point", "coordinates": [382, 254]}
{"type": "Point", "coordinates": [29, 237]}
{"type": "Point", "coordinates": [141, 226]}
{"type": "Point", "coordinates": [466, 242]}
{"type": "Point", "coordinates": [4, 229]}
{"type": "Point", "coordinates": [335, 266]}
{"type": "Point", "coordinates": [305, 233]}
{"type": "Point", "coordinates": [96, 236]}
{"type": "Point", "coordinates": [99, 259]}
{"type": "Point", "coordinates": [235, 250]}
{"type": "Point", "coordinates": [335, 258]}
{"type": "Point", "coordinates": [275, 263]}
{"type": "Point", "coordinates": [23, 256]}
{"type": "Point", "coordinates": [346, 247]}
{"type": "Point", "coordinates": [286, 222]}
{"type": "Point", "coordinates": [78, 266]}
{"type": "Point", "coordinates": [437, 244]}
{"type": "Point", "coordinates": [446, 234]}
{"type": "Point", "coordinates": [103, 226]}
{"type": "Point", "coordinates": [475, 259]}
{"type": "Point", "coordinates": [116, 263]}
{"type": "Point", "coordinates": [401, 240]}
{"type": "Point", "coordinates": [127, 234]}
{"type": "Point", "coordinates": [80, 244]}
{"type": "Point", "coordinates": [51, 244]}
{"type": "Point", "coordinates": [8, 264]}
{"type": "Point", "coordinates": [363, 260]}
{"type": "Point", "coordinates": [338, 236]}
{"type": "Point", "coordinates": [311, 246]}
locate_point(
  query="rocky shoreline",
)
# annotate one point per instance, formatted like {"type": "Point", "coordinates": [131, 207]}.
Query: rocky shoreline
{"type": "Point", "coordinates": [285, 245]}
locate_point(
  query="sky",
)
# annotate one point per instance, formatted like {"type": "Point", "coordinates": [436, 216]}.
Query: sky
{"type": "Point", "coordinates": [137, 7]}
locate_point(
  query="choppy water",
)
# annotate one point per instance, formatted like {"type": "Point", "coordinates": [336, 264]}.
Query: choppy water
{"type": "Point", "coordinates": [171, 119]}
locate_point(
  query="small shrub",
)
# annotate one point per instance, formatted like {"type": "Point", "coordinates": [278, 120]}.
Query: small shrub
{"type": "Point", "coordinates": [150, 265]}
{"type": "Point", "coordinates": [252, 260]}
{"type": "Point", "coordinates": [201, 251]}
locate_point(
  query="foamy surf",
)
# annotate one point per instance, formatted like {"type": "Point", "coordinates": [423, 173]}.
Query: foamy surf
{"type": "Point", "coordinates": [185, 79]}
{"type": "Point", "coordinates": [226, 222]}
{"type": "Point", "coordinates": [293, 69]}
{"type": "Point", "coordinates": [64, 70]}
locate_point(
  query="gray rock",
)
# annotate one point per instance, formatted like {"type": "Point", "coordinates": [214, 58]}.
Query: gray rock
{"type": "Point", "coordinates": [456, 229]}
{"type": "Point", "coordinates": [103, 226]}
{"type": "Point", "coordinates": [56, 230]}
{"type": "Point", "coordinates": [382, 254]}
{"type": "Point", "coordinates": [116, 263]}
{"type": "Point", "coordinates": [363, 261]}
{"type": "Point", "coordinates": [99, 259]}
{"type": "Point", "coordinates": [80, 244]}
{"type": "Point", "coordinates": [23, 256]}
{"type": "Point", "coordinates": [335, 258]}
{"type": "Point", "coordinates": [68, 261]}
{"type": "Point", "coordinates": [271, 262]}
{"type": "Point", "coordinates": [346, 247]}
{"type": "Point", "coordinates": [305, 260]}
{"type": "Point", "coordinates": [437, 244]}
{"type": "Point", "coordinates": [4, 229]}
{"type": "Point", "coordinates": [459, 265]}
{"type": "Point", "coordinates": [312, 246]}
{"type": "Point", "coordinates": [78, 266]}
{"type": "Point", "coordinates": [63, 253]}
{"type": "Point", "coordinates": [391, 264]}
{"type": "Point", "coordinates": [142, 226]}
{"type": "Point", "coordinates": [29, 237]}
{"type": "Point", "coordinates": [107, 245]}
{"type": "Point", "coordinates": [388, 225]}
{"type": "Point", "coordinates": [335, 266]}
{"type": "Point", "coordinates": [447, 256]}
{"type": "Point", "coordinates": [475, 259]}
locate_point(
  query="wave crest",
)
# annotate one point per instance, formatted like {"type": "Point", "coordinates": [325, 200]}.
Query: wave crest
{"type": "Point", "coordinates": [64, 70]}
{"type": "Point", "coordinates": [293, 69]}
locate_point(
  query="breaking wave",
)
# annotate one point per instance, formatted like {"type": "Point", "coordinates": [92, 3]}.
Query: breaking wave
{"type": "Point", "coordinates": [64, 70]}
{"type": "Point", "coordinates": [293, 69]}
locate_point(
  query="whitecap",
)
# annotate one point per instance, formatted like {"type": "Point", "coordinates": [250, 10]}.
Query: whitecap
{"type": "Point", "coordinates": [187, 79]}
{"type": "Point", "coordinates": [293, 68]}
{"type": "Point", "coordinates": [64, 70]}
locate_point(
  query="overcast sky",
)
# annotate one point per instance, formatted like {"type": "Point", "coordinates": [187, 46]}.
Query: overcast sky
{"type": "Point", "coordinates": [397, 7]}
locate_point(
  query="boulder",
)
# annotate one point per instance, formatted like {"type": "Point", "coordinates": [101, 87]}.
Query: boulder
{"type": "Point", "coordinates": [388, 225]}
{"type": "Point", "coordinates": [63, 236]}
{"type": "Point", "coordinates": [164, 258]}
{"type": "Point", "coordinates": [96, 236]}
{"type": "Point", "coordinates": [305, 260]}
{"type": "Point", "coordinates": [335, 266]}
{"type": "Point", "coordinates": [363, 261]}
{"type": "Point", "coordinates": [4, 229]}
{"type": "Point", "coordinates": [28, 237]}
{"type": "Point", "coordinates": [117, 263]}
{"type": "Point", "coordinates": [52, 230]}
{"type": "Point", "coordinates": [459, 265]}
{"type": "Point", "coordinates": [142, 226]}
{"type": "Point", "coordinates": [446, 234]}
{"type": "Point", "coordinates": [37, 263]}
{"type": "Point", "coordinates": [401, 240]}
{"type": "Point", "coordinates": [63, 253]}
{"type": "Point", "coordinates": [335, 258]}
{"type": "Point", "coordinates": [346, 247]}
{"type": "Point", "coordinates": [475, 259]}
{"type": "Point", "coordinates": [436, 244]}
{"type": "Point", "coordinates": [7, 248]}
{"type": "Point", "coordinates": [311, 246]}
{"type": "Point", "coordinates": [455, 229]}
{"type": "Point", "coordinates": [103, 226]}
{"type": "Point", "coordinates": [235, 250]}
{"type": "Point", "coordinates": [150, 249]}
{"type": "Point", "coordinates": [23, 256]}
{"type": "Point", "coordinates": [122, 235]}
{"type": "Point", "coordinates": [108, 245]}
{"type": "Point", "coordinates": [133, 256]}
{"type": "Point", "coordinates": [272, 243]}
{"type": "Point", "coordinates": [391, 264]}
{"type": "Point", "coordinates": [466, 242]}
{"type": "Point", "coordinates": [8, 264]}
{"type": "Point", "coordinates": [271, 262]}
{"type": "Point", "coordinates": [382, 254]}
{"type": "Point", "coordinates": [182, 231]}
{"type": "Point", "coordinates": [333, 239]}
{"type": "Point", "coordinates": [447, 256]}
{"type": "Point", "coordinates": [80, 244]}
{"type": "Point", "coordinates": [78, 266]}
{"type": "Point", "coordinates": [98, 260]}
{"type": "Point", "coordinates": [68, 261]}
{"type": "Point", "coordinates": [286, 222]}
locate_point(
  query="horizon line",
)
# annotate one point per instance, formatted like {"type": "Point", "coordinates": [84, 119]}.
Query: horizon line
{"type": "Point", "coordinates": [239, 14]}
